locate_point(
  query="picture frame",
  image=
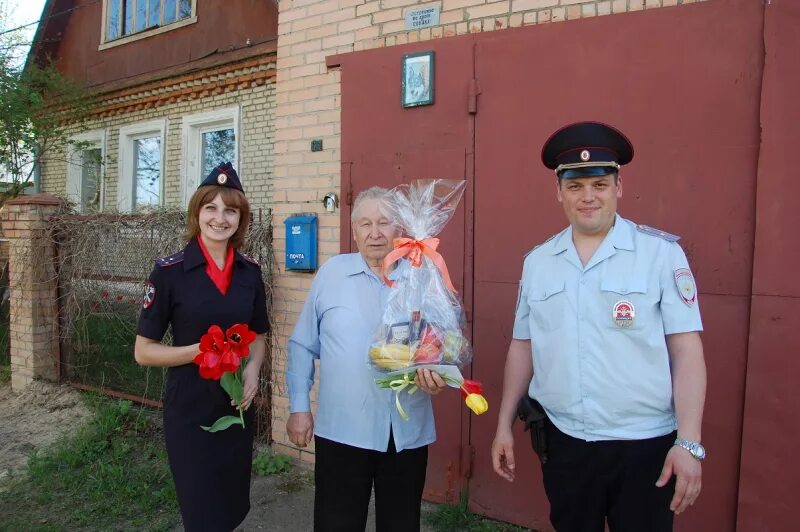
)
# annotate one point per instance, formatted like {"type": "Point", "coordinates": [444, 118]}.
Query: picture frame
{"type": "Point", "coordinates": [418, 79]}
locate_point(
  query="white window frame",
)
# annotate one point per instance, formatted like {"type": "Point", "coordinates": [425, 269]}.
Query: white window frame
{"type": "Point", "coordinates": [105, 44]}
{"type": "Point", "coordinates": [94, 138]}
{"type": "Point", "coordinates": [193, 128]}
{"type": "Point", "coordinates": [127, 135]}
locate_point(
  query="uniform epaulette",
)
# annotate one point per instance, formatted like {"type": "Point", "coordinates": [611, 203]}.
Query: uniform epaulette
{"type": "Point", "coordinates": [540, 245]}
{"type": "Point", "coordinates": [646, 229]}
{"type": "Point", "coordinates": [169, 260]}
{"type": "Point", "coordinates": [250, 259]}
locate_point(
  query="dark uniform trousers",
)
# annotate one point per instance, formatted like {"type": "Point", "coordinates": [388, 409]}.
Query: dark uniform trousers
{"type": "Point", "coordinates": [587, 482]}
{"type": "Point", "coordinates": [344, 477]}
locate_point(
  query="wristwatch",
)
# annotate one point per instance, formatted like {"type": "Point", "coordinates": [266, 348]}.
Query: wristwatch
{"type": "Point", "coordinates": [694, 447]}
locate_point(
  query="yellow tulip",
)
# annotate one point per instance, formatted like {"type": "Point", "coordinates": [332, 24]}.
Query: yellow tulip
{"type": "Point", "coordinates": [477, 403]}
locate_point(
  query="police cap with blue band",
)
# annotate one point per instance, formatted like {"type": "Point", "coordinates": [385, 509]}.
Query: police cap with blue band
{"type": "Point", "coordinates": [586, 149]}
{"type": "Point", "coordinates": [224, 176]}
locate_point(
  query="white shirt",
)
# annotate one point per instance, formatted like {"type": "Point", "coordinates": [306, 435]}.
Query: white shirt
{"type": "Point", "coordinates": [600, 371]}
{"type": "Point", "coordinates": [337, 326]}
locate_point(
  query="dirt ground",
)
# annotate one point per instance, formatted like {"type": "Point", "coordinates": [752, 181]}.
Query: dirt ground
{"type": "Point", "coordinates": [285, 503]}
{"type": "Point", "coordinates": [33, 419]}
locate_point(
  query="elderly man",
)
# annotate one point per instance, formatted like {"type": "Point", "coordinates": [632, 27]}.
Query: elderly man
{"type": "Point", "coordinates": [606, 339]}
{"type": "Point", "coordinates": [360, 440]}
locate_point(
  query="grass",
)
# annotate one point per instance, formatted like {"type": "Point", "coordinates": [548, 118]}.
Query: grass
{"type": "Point", "coordinates": [102, 355]}
{"type": "Point", "coordinates": [110, 475]}
{"type": "Point", "coordinates": [458, 518]}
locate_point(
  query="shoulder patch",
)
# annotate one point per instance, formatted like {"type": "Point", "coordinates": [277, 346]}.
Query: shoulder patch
{"type": "Point", "coordinates": [540, 245]}
{"type": "Point", "coordinates": [169, 260]}
{"type": "Point", "coordinates": [149, 295]}
{"type": "Point", "coordinates": [652, 231]}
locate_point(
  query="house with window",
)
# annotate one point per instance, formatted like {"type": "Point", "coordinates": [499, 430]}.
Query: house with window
{"type": "Point", "coordinates": [180, 85]}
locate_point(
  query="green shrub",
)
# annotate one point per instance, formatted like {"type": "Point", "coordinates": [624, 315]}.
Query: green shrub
{"type": "Point", "coordinates": [269, 463]}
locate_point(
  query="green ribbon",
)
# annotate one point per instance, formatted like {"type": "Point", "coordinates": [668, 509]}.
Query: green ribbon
{"type": "Point", "coordinates": [397, 386]}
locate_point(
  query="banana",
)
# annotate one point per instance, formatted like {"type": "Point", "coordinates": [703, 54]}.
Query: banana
{"type": "Point", "coordinates": [396, 352]}
{"type": "Point", "coordinates": [390, 364]}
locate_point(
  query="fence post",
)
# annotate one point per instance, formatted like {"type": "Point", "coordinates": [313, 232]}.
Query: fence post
{"type": "Point", "coordinates": [33, 331]}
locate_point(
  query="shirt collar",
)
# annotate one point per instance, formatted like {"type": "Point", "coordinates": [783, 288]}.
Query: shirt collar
{"type": "Point", "coordinates": [620, 237]}
{"type": "Point", "coordinates": [562, 241]}
{"type": "Point", "coordinates": [356, 265]}
{"type": "Point", "coordinates": [193, 255]}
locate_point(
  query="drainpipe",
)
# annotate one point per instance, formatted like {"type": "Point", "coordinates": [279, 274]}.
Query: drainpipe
{"type": "Point", "coordinates": [37, 174]}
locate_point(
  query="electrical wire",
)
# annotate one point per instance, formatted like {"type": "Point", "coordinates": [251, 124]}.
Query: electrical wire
{"type": "Point", "coordinates": [70, 10]}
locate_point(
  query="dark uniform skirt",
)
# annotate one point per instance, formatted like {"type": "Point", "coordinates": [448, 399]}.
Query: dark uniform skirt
{"type": "Point", "coordinates": [211, 470]}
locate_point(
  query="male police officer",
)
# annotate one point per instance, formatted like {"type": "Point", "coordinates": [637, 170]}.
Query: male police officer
{"type": "Point", "coordinates": [606, 338]}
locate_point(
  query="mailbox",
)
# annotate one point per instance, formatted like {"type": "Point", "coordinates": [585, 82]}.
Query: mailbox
{"type": "Point", "coordinates": [301, 242]}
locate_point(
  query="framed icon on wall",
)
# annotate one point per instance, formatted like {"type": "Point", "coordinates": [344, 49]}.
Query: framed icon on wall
{"type": "Point", "coordinates": [417, 83]}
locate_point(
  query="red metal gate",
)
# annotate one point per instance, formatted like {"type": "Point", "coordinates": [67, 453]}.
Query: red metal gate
{"type": "Point", "coordinates": [386, 145]}
{"type": "Point", "coordinates": [769, 470]}
{"type": "Point", "coordinates": [691, 110]}
{"type": "Point", "coordinates": [691, 106]}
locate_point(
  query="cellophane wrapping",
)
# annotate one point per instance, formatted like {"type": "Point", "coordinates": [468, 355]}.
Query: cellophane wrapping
{"type": "Point", "coordinates": [423, 323]}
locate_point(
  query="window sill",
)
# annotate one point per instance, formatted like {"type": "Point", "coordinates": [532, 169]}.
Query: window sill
{"type": "Point", "coordinates": [147, 33]}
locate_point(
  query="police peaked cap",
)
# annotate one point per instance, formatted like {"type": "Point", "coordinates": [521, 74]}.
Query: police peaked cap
{"type": "Point", "coordinates": [586, 149]}
{"type": "Point", "coordinates": [224, 176]}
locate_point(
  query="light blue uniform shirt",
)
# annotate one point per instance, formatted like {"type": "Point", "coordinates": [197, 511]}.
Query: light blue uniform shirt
{"type": "Point", "coordinates": [337, 324]}
{"type": "Point", "coordinates": [598, 375]}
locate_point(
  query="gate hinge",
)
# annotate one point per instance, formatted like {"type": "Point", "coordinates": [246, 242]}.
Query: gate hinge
{"type": "Point", "coordinates": [474, 91]}
{"type": "Point", "coordinates": [467, 459]}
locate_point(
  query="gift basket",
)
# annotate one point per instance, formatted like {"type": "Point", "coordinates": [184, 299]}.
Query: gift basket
{"type": "Point", "coordinates": [423, 323]}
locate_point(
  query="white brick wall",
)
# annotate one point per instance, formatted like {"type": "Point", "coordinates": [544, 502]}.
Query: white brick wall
{"type": "Point", "coordinates": [256, 138]}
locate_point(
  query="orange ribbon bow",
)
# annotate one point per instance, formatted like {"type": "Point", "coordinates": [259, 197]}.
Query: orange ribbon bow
{"type": "Point", "coordinates": [413, 250]}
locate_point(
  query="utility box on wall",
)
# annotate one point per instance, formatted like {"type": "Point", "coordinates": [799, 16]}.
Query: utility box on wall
{"type": "Point", "coordinates": [301, 242]}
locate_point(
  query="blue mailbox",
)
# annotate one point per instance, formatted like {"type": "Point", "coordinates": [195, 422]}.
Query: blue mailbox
{"type": "Point", "coordinates": [301, 242]}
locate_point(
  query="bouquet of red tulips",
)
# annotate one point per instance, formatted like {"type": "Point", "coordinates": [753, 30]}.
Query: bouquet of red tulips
{"type": "Point", "coordinates": [222, 358]}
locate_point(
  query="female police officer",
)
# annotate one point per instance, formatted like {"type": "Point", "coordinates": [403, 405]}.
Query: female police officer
{"type": "Point", "coordinates": [208, 283]}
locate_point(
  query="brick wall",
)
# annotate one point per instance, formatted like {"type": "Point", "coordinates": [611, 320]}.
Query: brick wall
{"type": "Point", "coordinates": [308, 107]}
{"type": "Point", "coordinates": [33, 323]}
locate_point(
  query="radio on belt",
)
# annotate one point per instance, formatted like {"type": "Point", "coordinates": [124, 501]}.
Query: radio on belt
{"type": "Point", "coordinates": [301, 242]}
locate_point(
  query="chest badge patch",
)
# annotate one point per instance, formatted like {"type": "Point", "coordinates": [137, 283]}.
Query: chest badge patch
{"type": "Point", "coordinates": [684, 280]}
{"type": "Point", "coordinates": [149, 295]}
{"type": "Point", "coordinates": [624, 314]}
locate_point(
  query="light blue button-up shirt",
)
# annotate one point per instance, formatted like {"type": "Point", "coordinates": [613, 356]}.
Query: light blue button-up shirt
{"type": "Point", "coordinates": [337, 324]}
{"type": "Point", "coordinates": [601, 371]}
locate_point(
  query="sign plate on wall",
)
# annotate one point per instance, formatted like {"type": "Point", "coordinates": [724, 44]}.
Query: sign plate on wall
{"type": "Point", "coordinates": [422, 18]}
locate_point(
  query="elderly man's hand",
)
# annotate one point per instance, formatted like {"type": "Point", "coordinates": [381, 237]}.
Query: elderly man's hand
{"type": "Point", "coordinates": [300, 427]}
{"type": "Point", "coordinates": [429, 381]}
